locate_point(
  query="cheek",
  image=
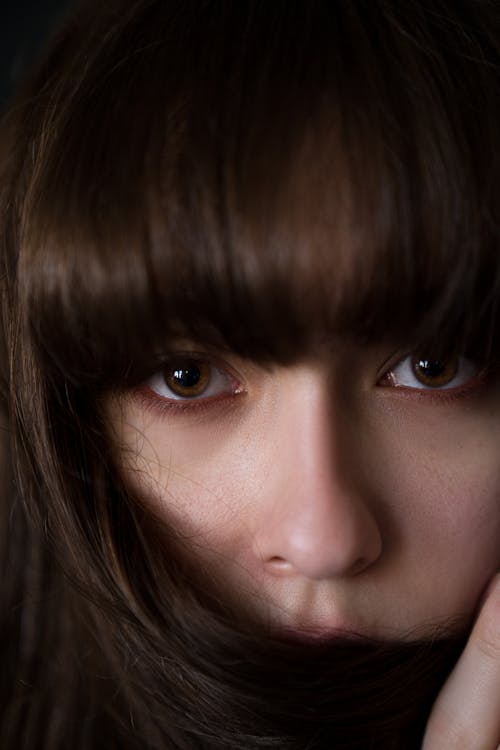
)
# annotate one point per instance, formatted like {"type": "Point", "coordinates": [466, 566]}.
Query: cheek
{"type": "Point", "coordinates": [198, 487]}
{"type": "Point", "coordinates": [458, 519]}
{"type": "Point", "coordinates": [443, 497]}
{"type": "Point", "coordinates": [454, 546]}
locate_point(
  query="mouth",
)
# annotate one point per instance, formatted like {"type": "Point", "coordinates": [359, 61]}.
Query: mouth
{"type": "Point", "coordinates": [319, 635]}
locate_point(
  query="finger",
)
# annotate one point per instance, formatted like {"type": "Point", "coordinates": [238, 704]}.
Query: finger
{"type": "Point", "coordinates": [466, 715]}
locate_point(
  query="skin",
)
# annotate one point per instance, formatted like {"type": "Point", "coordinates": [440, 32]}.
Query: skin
{"type": "Point", "coordinates": [466, 715]}
{"type": "Point", "coordinates": [337, 496]}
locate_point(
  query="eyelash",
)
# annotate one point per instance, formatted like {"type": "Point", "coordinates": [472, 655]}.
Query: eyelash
{"type": "Point", "coordinates": [152, 399]}
{"type": "Point", "coordinates": [470, 383]}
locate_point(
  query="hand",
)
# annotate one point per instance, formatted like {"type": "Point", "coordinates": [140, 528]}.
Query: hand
{"type": "Point", "coordinates": [466, 714]}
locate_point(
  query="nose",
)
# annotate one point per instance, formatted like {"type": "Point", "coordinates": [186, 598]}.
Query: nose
{"type": "Point", "coordinates": [315, 520]}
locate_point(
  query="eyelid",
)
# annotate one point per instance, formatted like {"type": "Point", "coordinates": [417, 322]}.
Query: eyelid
{"type": "Point", "coordinates": [151, 388]}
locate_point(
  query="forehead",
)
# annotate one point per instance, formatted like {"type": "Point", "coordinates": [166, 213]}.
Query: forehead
{"type": "Point", "coordinates": [328, 243]}
{"type": "Point", "coordinates": [269, 265]}
{"type": "Point", "coordinates": [321, 182]}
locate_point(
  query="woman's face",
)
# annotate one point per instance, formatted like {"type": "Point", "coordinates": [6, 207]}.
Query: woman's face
{"type": "Point", "coordinates": [357, 491]}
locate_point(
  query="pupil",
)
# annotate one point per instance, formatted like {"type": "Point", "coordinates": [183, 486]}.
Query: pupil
{"type": "Point", "coordinates": [187, 377]}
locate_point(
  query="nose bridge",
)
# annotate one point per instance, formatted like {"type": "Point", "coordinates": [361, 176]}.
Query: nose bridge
{"type": "Point", "coordinates": [318, 523]}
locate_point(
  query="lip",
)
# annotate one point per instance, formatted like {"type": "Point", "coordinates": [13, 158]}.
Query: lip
{"type": "Point", "coordinates": [319, 634]}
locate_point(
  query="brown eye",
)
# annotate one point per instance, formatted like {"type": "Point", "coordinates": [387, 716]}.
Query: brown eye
{"type": "Point", "coordinates": [435, 373]}
{"type": "Point", "coordinates": [417, 372]}
{"type": "Point", "coordinates": [188, 378]}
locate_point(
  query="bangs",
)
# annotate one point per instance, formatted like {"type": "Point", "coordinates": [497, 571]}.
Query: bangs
{"type": "Point", "coordinates": [257, 176]}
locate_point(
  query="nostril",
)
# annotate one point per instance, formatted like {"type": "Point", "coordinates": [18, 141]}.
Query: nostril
{"type": "Point", "coordinates": [359, 565]}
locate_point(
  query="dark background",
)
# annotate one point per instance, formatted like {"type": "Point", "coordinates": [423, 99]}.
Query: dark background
{"type": "Point", "coordinates": [25, 27]}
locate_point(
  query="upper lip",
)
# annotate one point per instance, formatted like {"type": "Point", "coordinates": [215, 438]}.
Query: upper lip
{"type": "Point", "coordinates": [316, 633]}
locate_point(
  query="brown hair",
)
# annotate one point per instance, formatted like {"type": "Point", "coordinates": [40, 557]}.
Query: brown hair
{"type": "Point", "coordinates": [252, 175]}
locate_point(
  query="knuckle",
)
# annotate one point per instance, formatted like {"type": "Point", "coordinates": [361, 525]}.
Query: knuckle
{"type": "Point", "coordinates": [489, 646]}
